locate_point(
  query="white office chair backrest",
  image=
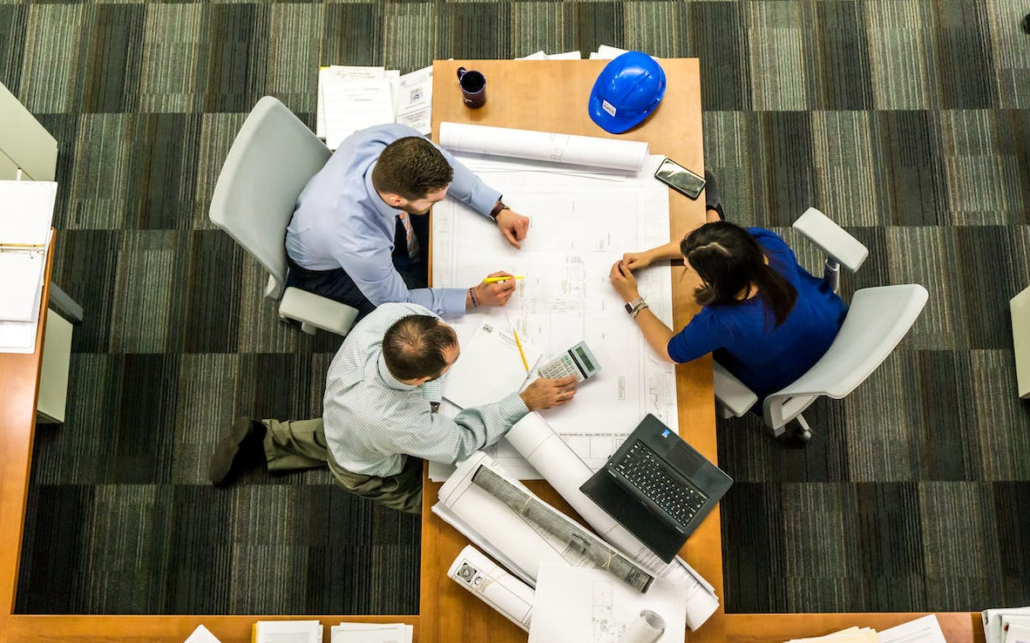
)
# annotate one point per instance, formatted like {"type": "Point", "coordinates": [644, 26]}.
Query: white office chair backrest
{"type": "Point", "coordinates": [878, 320]}
{"type": "Point", "coordinates": [270, 162]}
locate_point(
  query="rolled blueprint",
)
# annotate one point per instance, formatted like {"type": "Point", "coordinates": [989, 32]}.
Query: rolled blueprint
{"type": "Point", "coordinates": [512, 539]}
{"type": "Point", "coordinates": [646, 628]}
{"type": "Point", "coordinates": [544, 449]}
{"type": "Point", "coordinates": [589, 151]}
{"type": "Point", "coordinates": [494, 586]}
{"type": "Point", "coordinates": [545, 517]}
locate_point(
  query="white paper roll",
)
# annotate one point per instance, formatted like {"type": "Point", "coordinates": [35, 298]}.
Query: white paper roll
{"type": "Point", "coordinates": [587, 151]}
{"type": "Point", "coordinates": [646, 628]}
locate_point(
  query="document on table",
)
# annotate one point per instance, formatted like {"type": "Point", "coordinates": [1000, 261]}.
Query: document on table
{"type": "Point", "coordinates": [371, 633]}
{"type": "Point", "coordinates": [578, 605]}
{"type": "Point", "coordinates": [329, 74]}
{"type": "Point", "coordinates": [992, 621]}
{"type": "Point", "coordinates": [1017, 633]}
{"type": "Point", "coordinates": [353, 104]}
{"type": "Point", "coordinates": [202, 635]}
{"type": "Point", "coordinates": [490, 583]}
{"type": "Point", "coordinates": [414, 100]}
{"type": "Point", "coordinates": [580, 225]}
{"type": "Point", "coordinates": [589, 151]}
{"type": "Point", "coordinates": [922, 630]}
{"type": "Point", "coordinates": [489, 368]}
{"type": "Point", "coordinates": [287, 632]}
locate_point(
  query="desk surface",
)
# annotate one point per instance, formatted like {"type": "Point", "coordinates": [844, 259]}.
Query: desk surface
{"type": "Point", "coordinates": [552, 96]}
{"type": "Point", "coordinates": [444, 612]}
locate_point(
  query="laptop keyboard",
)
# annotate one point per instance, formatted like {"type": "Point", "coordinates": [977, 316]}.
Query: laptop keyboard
{"type": "Point", "coordinates": [645, 470]}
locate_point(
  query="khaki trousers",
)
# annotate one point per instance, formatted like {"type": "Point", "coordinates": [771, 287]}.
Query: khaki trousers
{"type": "Point", "coordinates": [301, 445]}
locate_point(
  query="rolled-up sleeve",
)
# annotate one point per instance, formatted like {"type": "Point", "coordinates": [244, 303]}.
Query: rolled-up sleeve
{"type": "Point", "coordinates": [443, 439]}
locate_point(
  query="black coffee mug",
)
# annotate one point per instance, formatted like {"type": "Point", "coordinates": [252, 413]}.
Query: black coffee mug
{"type": "Point", "coordinates": [473, 87]}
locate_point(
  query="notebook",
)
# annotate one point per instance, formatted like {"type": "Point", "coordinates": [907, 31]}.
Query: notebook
{"type": "Point", "coordinates": [489, 368]}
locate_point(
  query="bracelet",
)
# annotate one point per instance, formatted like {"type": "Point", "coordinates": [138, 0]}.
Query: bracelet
{"type": "Point", "coordinates": [636, 311]}
{"type": "Point", "coordinates": [472, 296]}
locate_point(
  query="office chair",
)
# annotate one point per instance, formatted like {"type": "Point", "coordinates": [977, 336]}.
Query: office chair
{"type": "Point", "coordinates": [877, 321]}
{"type": "Point", "coordinates": [270, 162]}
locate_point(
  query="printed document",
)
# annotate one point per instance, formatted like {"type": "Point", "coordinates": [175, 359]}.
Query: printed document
{"type": "Point", "coordinates": [580, 224]}
{"type": "Point", "coordinates": [578, 605]}
{"type": "Point", "coordinates": [489, 368]}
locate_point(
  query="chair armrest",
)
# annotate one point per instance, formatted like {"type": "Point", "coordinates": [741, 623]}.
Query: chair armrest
{"type": "Point", "coordinates": [832, 239]}
{"type": "Point", "coordinates": [731, 392]}
{"type": "Point", "coordinates": [315, 310]}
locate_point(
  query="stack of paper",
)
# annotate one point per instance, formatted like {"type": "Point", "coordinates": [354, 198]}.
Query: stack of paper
{"type": "Point", "coordinates": [287, 632]}
{"type": "Point", "coordinates": [353, 98]}
{"type": "Point", "coordinates": [26, 214]}
{"type": "Point", "coordinates": [371, 633]}
{"type": "Point", "coordinates": [922, 630]}
{"type": "Point", "coordinates": [850, 635]}
{"type": "Point", "coordinates": [604, 52]}
{"type": "Point", "coordinates": [1007, 625]}
{"type": "Point", "coordinates": [540, 55]}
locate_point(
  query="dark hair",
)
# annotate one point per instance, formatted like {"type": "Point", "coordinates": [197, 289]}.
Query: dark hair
{"type": "Point", "coordinates": [411, 167]}
{"type": "Point", "coordinates": [414, 347]}
{"type": "Point", "coordinates": [730, 261]}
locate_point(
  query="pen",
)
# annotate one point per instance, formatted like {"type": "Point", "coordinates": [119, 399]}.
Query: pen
{"type": "Point", "coordinates": [519, 344]}
{"type": "Point", "coordinates": [493, 280]}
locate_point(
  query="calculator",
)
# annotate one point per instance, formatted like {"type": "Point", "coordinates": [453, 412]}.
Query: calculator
{"type": "Point", "coordinates": [578, 361]}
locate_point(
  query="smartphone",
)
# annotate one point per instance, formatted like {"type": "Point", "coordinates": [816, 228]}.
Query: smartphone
{"type": "Point", "coordinates": [680, 178]}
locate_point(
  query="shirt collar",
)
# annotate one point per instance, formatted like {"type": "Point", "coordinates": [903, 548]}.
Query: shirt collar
{"type": "Point", "coordinates": [378, 204]}
{"type": "Point", "coordinates": [388, 379]}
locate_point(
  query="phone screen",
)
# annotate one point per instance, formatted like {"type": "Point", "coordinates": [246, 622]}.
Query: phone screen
{"type": "Point", "coordinates": [680, 178]}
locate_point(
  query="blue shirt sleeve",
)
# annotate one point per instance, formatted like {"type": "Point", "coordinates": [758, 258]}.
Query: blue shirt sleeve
{"type": "Point", "coordinates": [469, 189]}
{"type": "Point", "coordinates": [701, 336]}
{"type": "Point", "coordinates": [371, 267]}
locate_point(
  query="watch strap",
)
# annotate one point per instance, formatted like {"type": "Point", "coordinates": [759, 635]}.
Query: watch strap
{"type": "Point", "coordinates": [498, 208]}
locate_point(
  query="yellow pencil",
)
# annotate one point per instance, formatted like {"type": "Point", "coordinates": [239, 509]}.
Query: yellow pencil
{"type": "Point", "coordinates": [521, 352]}
{"type": "Point", "coordinates": [493, 280]}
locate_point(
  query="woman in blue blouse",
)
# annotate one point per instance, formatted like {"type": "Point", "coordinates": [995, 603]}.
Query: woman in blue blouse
{"type": "Point", "coordinates": [764, 316]}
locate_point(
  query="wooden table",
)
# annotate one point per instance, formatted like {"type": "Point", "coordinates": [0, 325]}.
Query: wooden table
{"type": "Point", "coordinates": [552, 96]}
{"type": "Point", "coordinates": [529, 95]}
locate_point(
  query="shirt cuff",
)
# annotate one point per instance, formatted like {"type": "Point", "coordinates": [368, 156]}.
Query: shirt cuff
{"type": "Point", "coordinates": [452, 300]}
{"type": "Point", "coordinates": [484, 200]}
{"type": "Point", "coordinates": [513, 408]}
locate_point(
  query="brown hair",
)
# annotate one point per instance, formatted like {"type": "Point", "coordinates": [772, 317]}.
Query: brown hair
{"type": "Point", "coordinates": [413, 347]}
{"type": "Point", "coordinates": [411, 167]}
{"type": "Point", "coordinates": [730, 261]}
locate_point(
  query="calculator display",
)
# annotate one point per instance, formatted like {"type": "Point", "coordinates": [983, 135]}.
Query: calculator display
{"type": "Point", "coordinates": [582, 355]}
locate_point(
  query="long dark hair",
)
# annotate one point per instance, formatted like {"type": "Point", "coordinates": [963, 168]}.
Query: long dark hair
{"type": "Point", "coordinates": [730, 261]}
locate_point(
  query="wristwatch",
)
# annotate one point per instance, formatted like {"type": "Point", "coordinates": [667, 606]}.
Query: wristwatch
{"type": "Point", "coordinates": [496, 212]}
{"type": "Point", "coordinates": [633, 305]}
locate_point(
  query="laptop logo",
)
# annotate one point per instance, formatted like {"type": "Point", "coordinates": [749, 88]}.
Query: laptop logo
{"type": "Point", "coordinates": [666, 433]}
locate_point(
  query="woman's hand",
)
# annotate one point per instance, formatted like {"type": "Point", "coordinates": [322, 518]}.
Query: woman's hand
{"type": "Point", "coordinates": [637, 260]}
{"type": "Point", "coordinates": [624, 282]}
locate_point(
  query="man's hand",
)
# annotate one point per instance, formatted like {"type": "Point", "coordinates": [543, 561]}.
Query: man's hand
{"type": "Point", "coordinates": [637, 260]}
{"type": "Point", "coordinates": [495, 294]}
{"type": "Point", "coordinates": [545, 394]}
{"type": "Point", "coordinates": [624, 282]}
{"type": "Point", "coordinates": [513, 226]}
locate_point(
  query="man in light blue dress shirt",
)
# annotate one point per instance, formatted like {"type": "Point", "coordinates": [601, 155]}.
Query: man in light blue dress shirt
{"type": "Point", "coordinates": [358, 232]}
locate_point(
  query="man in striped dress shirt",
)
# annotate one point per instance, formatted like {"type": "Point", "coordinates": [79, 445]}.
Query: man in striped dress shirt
{"type": "Point", "coordinates": [379, 420]}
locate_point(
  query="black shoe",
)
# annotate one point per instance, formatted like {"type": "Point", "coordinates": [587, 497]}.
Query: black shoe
{"type": "Point", "coordinates": [713, 200]}
{"type": "Point", "coordinates": [242, 447]}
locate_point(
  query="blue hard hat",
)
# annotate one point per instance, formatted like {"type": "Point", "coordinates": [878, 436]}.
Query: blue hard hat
{"type": "Point", "coordinates": [626, 91]}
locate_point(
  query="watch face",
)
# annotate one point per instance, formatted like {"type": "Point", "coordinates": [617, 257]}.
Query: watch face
{"type": "Point", "coordinates": [629, 308]}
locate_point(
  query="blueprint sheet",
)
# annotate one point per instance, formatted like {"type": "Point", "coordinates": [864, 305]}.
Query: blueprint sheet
{"type": "Point", "coordinates": [581, 223]}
